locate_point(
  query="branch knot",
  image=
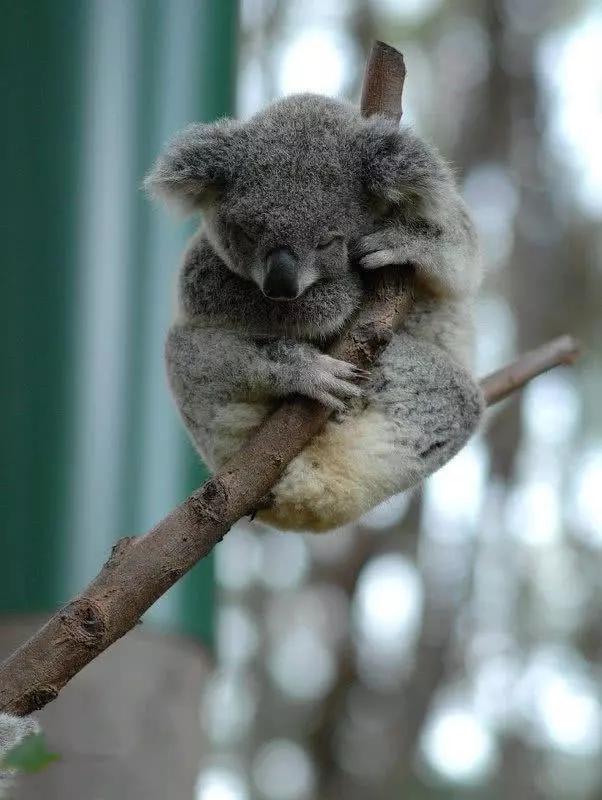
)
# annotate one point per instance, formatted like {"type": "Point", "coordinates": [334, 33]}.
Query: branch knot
{"type": "Point", "coordinates": [83, 621]}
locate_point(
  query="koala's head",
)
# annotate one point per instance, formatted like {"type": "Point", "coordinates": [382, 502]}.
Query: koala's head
{"type": "Point", "coordinates": [285, 193]}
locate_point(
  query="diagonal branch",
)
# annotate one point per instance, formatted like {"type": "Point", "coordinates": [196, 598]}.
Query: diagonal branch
{"type": "Point", "coordinates": [501, 384]}
{"type": "Point", "coordinates": [141, 569]}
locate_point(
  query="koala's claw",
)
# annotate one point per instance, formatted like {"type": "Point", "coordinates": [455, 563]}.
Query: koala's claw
{"type": "Point", "coordinates": [380, 258]}
{"type": "Point", "coordinates": [379, 240]}
{"type": "Point", "coordinates": [378, 250]}
{"type": "Point", "coordinates": [361, 374]}
{"type": "Point", "coordinates": [331, 382]}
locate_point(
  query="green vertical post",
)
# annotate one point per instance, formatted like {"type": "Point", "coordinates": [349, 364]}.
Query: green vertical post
{"type": "Point", "coordinates": [41, 46]}
{"type": "Point", "coordinates": [76, 140]}
{"type": "Point", "coordinates": [217, 75]}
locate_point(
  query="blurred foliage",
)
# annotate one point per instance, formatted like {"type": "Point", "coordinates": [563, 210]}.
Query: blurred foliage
{"type": "Point", "coordinates": [30, 755]}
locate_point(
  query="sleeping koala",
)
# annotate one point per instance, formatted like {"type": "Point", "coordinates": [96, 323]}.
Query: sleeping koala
{"type": "Point", "coordinates": [298, 202]}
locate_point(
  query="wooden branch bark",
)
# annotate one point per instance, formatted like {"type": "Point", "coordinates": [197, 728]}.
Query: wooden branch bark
{"type": "Point", "coordinates": [500, 384]}
{"type": "Point", "coordinates": [141, 569]}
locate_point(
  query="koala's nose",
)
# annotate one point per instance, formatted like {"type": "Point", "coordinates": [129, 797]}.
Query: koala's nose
{"type": "Point", "coordinates": [281, 281]}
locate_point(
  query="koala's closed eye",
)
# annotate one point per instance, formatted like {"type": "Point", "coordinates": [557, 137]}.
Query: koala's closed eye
{"type": "Point", "coordinates": [328, 240]}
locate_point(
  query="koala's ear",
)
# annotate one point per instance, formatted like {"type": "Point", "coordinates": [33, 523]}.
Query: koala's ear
{"type": "Point", "coordinates": [401, 169]}
{"type": "Point", "coordinates": [196, 165]}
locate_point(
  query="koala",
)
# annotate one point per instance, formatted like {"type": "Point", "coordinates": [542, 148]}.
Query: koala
{"type": "Point", "coordinates": [298, 204]}
{"type": "Point", "coordinates": [12, 732]}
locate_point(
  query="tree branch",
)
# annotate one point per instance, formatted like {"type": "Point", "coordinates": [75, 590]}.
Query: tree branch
{"type": "Point", "coordinates": [141, 569]}
{"type": "Point", "coordinates": [500, 384]}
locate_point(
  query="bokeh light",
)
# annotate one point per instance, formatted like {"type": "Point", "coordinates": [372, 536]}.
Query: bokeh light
{"type": "Point", "coordinates": [283, 771]}
{"type": "Point", "coordinates": [237, 635]}
{"type": "Point", "coordinates": [459, 746]}
{"type": "Point", "coordinates": [387, 604]}
{"type": "Point", "coordinates": [570, 68]}
{"type": "Point", "coordinates": [493, 201]}
{"type": "Point", "coordinates": [220, 783]}
{"type": "Point", "coordinates": [284, 560]}
{"type": "Point", "coordinates": [301, 664]}
{"type": "Point", "coordinates": [561, 700]}
{"type": "Point", "coordinates": [316, 60]}
{"type": "Point", "coordinates": [587, 496]}
{"type": "Point", "coordinates": [229, 706]}
{"type": "Point", "coordinates": [454, 494]}
{"type": "Point", "coordinates": [551, 408]}
{"type": "Point", "coordinates": [238, 558]}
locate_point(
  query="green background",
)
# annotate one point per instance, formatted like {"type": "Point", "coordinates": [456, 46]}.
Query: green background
{"type": "Point", "coordinates": [92, 446]}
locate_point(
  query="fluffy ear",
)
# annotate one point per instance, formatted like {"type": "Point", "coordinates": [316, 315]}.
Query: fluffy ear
{"type": "Point", "coordinates": [400, 169]}
{"type": "Point", "coordinates": [196, 165]}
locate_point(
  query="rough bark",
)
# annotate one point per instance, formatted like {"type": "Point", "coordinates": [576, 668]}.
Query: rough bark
{"type": "Point", "coordinates": [141, 569]}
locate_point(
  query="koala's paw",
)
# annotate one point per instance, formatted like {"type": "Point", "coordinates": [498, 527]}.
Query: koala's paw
{"type": "Point", "coordinates": [379, 249]}
{"type": "Point", "coordinates": [330, 381]}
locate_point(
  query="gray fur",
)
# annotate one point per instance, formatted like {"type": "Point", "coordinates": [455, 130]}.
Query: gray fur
{"type": "Point", "coordinates": [337, 194]}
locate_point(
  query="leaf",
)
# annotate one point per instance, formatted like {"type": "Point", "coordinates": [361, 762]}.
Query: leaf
{"type": "Point", "coordinates": [30, 755]}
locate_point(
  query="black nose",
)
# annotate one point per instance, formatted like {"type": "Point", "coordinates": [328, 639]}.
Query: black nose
{"type": "Point", "coordinates": [281, 281]}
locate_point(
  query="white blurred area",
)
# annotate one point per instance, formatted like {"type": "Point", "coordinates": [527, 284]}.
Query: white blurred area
{"type": "Point", "coordinates": [570, 67]}
{"type": "Point", "coordinates": [458, 745]}
{"type": "Point", "coordinates": [298, 612]}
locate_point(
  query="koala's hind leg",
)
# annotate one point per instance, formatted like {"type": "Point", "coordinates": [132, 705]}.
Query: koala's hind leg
{"type": "Point", "coordinates": [433, 401]}
{"type": "Point", "coordinates": [422, 408]}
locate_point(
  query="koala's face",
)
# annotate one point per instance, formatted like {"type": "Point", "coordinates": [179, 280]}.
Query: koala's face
{"type": "Point", "coordinates": [287, 218]}
{"type": "Point", "coordinates": [292, 199]}
{"type": "Point", "coordinates": [285, 232]}
{"type": "Point", "coordinates": [285, 194]}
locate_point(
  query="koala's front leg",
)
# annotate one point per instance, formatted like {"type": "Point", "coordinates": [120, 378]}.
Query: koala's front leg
{"type": "Point", "coordinates": [300, 368]}
{"type": "Point", "coordinates": [211, 365]}
{"type": "Point", "coordinates": [445, 256]}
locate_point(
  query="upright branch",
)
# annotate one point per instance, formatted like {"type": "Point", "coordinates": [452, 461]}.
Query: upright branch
{"type": "Point", "coordinates": [141, 569]}
{"type": "Point", "coordinates": [384, 77]}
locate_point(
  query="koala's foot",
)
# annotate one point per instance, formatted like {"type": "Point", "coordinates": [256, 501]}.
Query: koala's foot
{"type": "Point", "coordinates": [327, 379]}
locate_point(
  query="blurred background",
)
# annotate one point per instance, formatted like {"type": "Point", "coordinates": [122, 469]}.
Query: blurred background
{"type": "Point", "coordinates": [449, 645]}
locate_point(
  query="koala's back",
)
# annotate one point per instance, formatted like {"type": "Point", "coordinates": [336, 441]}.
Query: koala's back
{"type": "Point", "coordinates": [447, 323]}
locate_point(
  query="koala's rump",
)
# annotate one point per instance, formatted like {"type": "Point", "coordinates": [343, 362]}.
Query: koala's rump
{"type": "Point", "coordinates": [349, 467]}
